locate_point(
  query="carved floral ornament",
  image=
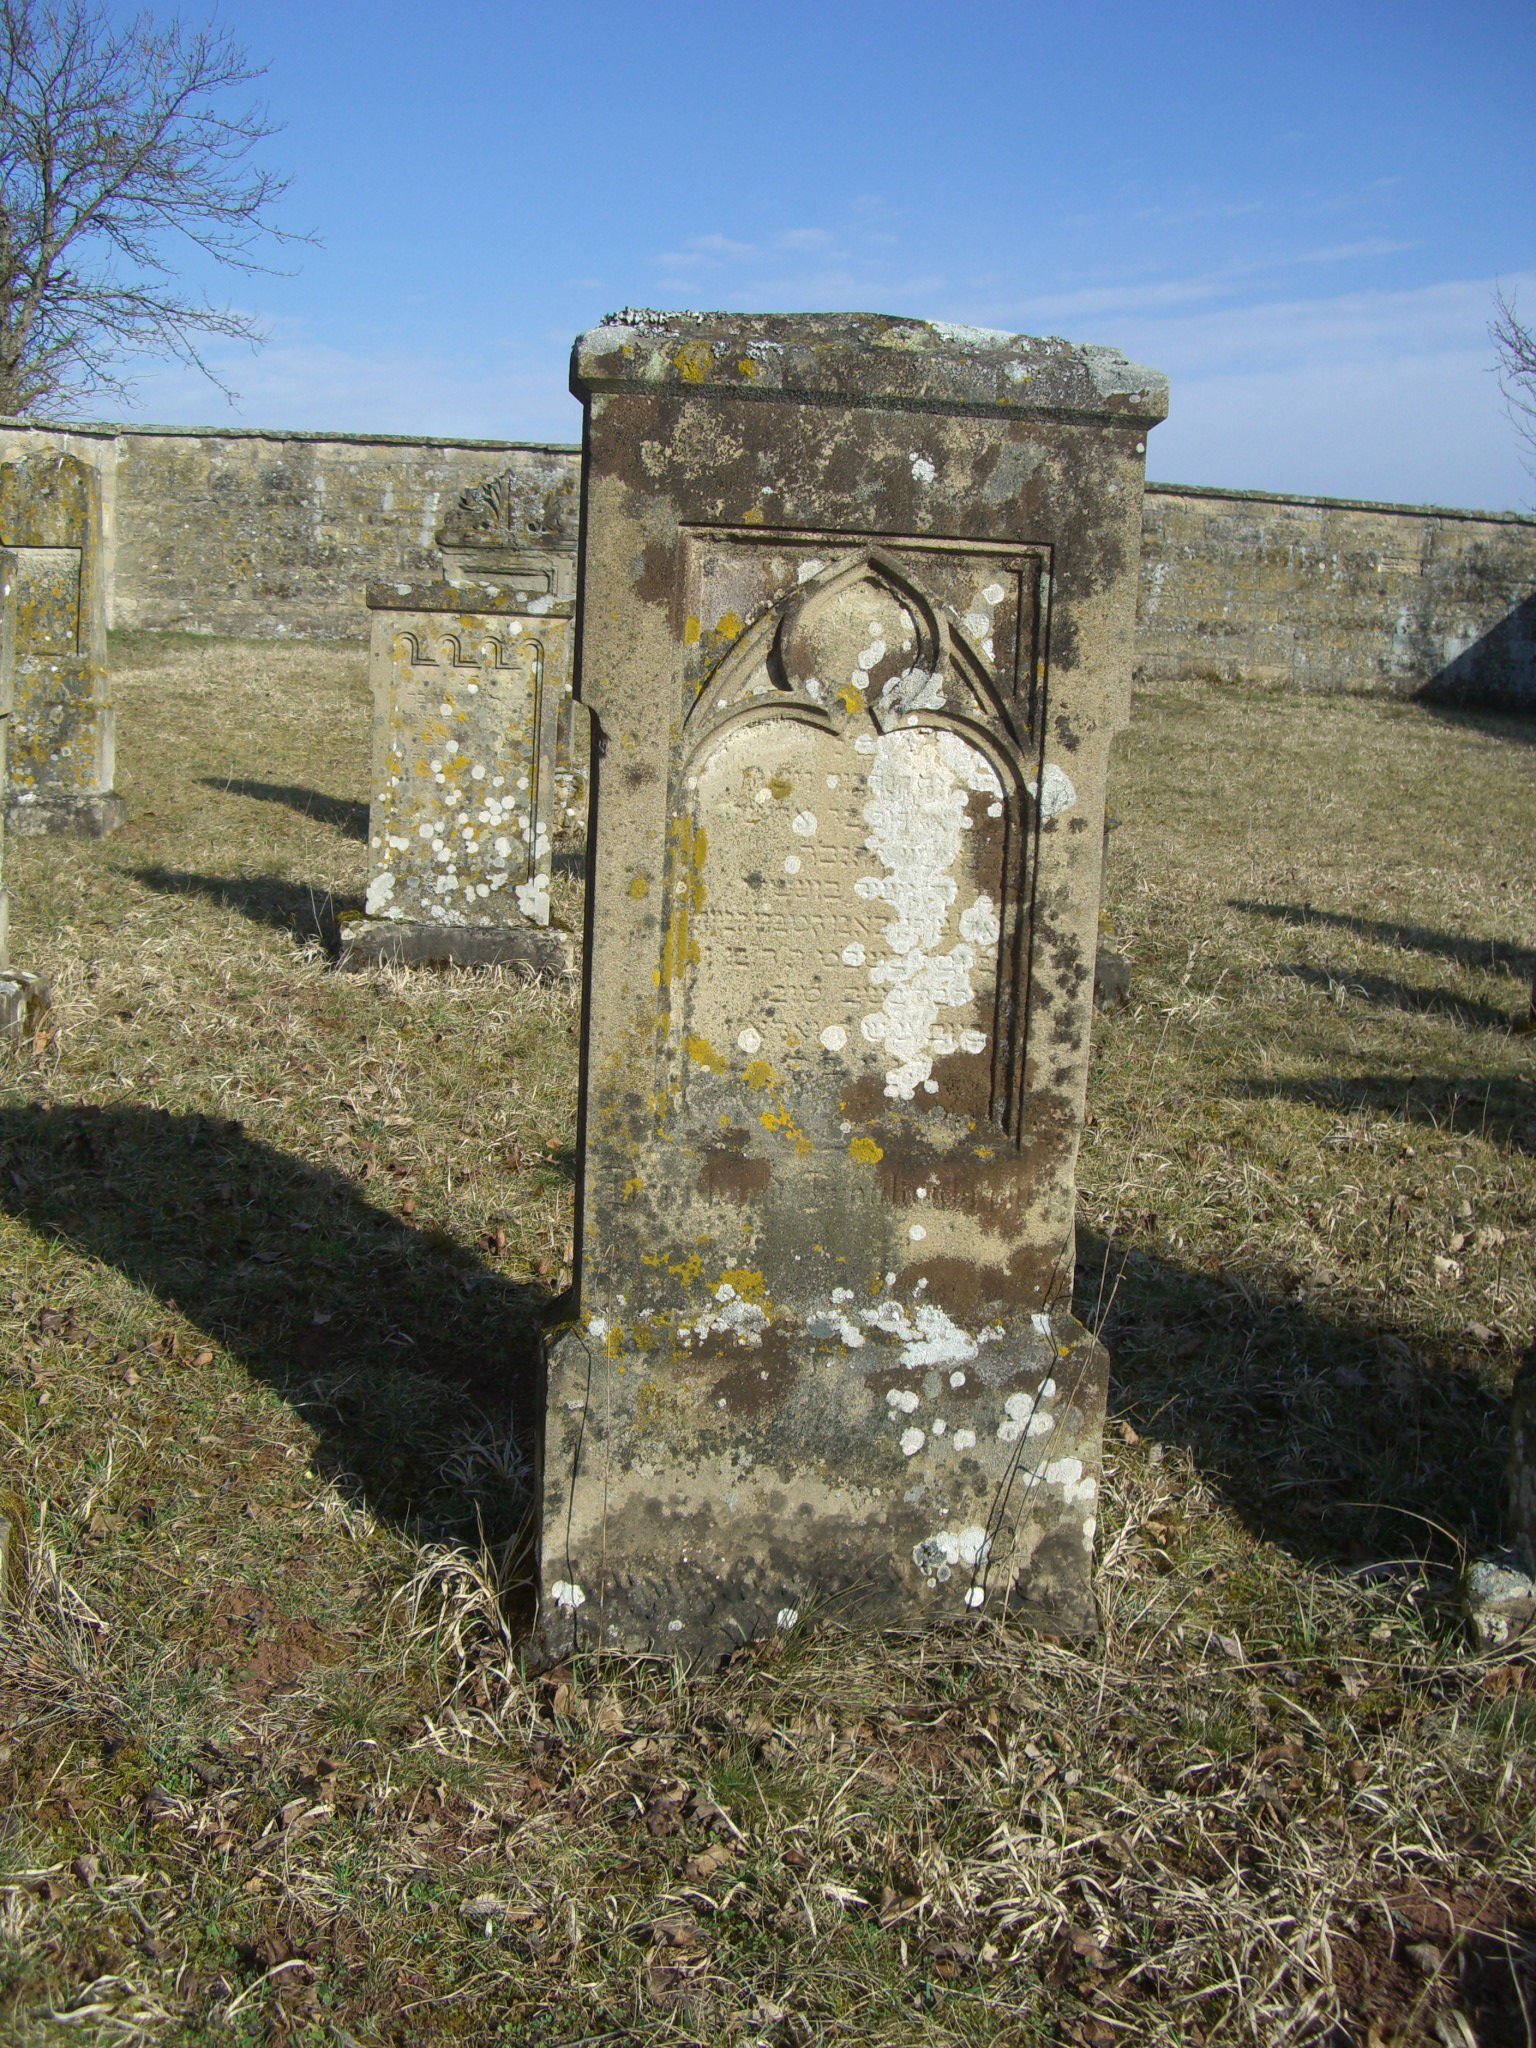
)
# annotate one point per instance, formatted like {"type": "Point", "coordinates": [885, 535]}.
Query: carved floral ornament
{"type": "Point", "coordinates": [510, 510]}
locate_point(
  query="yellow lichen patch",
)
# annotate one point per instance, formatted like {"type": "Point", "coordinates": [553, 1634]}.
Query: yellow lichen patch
{"type": "Point", "coordinates": [780, 1120]}
{"type": "Point", "coordinates": [728, 625]}
{"type": "Point", "coordinates": [703, 1054]}
{"type": "Point", "coordinates": [866, 1151]}
{"type": "Point", "coordinates": [639, 887]}
{"type": "Point", "coordinates": [748, 1284]}
{"type": "Point", "coordinates": [852, 699]}
{"type": "Point", "coordinates": [633, 1186]}
{"type": "Point", "coordinates": [687, 1270]}
{"type": "Point", "coordinates": [691, 630]}
{"type": "Point", "coordinates": [757, 1073]}
{"type": "Point", "coordinates": [680, 949]}
{"type": "Point", "coordinates": [747, 367]}
{"type": "Point", "coordinates": [780, 786]}
{"type": "Point", "coordinates": [694, 360]}
{"type": "Point", "coordinates": [753, 516]}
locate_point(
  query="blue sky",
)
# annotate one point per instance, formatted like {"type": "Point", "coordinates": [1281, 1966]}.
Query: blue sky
{"type": "Point", "coordinates": [1298, 212]}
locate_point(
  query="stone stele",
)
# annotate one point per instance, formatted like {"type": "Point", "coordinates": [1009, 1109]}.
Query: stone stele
{"type": "Point", "coordinates": [471, 680]}
{"type": "Point", "coordinates": [23, 997]}
{"type": "Point", "coordinates": [62, 728]}
{"type": "Point", "coordinates": [857, 602]}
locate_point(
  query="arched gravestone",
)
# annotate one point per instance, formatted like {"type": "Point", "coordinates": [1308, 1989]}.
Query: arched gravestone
{"type": "Point", "coordinates": [471, 702]}
{"type": "Point", "coordinates": [857, 602]}
{"type": "Point", "coordinates": [62, 740]}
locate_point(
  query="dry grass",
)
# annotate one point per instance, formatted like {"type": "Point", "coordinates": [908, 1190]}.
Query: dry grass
{"type": "Point", "coordinates": [272, 1247]}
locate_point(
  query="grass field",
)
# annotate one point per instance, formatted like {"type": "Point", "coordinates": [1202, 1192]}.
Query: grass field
{"type": "Point", "coordinates": [272, 1246]}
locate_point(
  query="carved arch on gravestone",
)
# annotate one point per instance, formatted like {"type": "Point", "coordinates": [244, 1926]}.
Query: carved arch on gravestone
{"type": "Point", "coordinates": [928, 674]}
{"type": "Point", "coordinates": [770, 670]}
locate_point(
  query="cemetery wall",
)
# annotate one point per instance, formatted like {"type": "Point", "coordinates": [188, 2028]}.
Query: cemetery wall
{"type": "Point", "coordinates": [233, 530]}
{"type": "Point", "coordinates": [1334, 594]}
{"type": "Point", "coordinates": [271, 535]}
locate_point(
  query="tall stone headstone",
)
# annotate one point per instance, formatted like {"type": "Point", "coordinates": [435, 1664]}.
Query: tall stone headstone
{"type": "Point", "coordinates": [62, 752]}
{"type": "Point", "coordinates": [857, 604]}
{"type": "Point", "coordinates": [471, 681]}
{"type": "Point", "coordinates": [23, 997]}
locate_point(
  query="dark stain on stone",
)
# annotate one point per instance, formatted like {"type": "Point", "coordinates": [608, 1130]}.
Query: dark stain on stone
{"type": "Point", "coordinates": [969, 1292]}
{"type": "Point", "coordinates": [733, 1177]}
{"type": "Point", "coordinates": [754, 1381]}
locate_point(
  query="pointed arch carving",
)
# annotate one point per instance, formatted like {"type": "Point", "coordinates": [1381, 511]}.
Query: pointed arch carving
{"type": "Point", "coordinates": [861, 653]}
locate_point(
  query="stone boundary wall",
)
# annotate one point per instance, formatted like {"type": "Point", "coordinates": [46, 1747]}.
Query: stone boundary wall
{"type": "Point", "coordinates": [275, 535]}
{"type": "Point", "coordinates": [271, 535]}
{"type": "Point", "coordinates": [1333, 594]}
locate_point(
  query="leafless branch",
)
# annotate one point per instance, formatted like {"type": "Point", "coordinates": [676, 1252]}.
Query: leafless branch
{"type": "Point", "coordinates": [116, 152]}
{"type": "Point", "coordinates": [1516, 345]}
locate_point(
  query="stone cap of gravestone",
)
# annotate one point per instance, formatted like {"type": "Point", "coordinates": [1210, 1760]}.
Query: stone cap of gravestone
{"type": "Point", "coordinates": [482, 599]}
{"type": "Point", "coordinates": [518, 527]}
{"type": "Point", "coordinates": [866, 359]}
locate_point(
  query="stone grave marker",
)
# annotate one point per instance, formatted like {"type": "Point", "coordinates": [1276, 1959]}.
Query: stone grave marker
{"type": "Point", "coordinates": [23, 997]}
{"type": "Point", "coordinates": [471, 683]}
{"type": "Point", "coordinates": [62, 726]}
{"type": "Point", "coordinates": [857, 604]}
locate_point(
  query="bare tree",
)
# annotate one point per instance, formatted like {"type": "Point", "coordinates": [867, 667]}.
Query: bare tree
{"type": "Point", "coordinates": [117, 158]}
{"type": "Point", "coordinates": [1516, 345]}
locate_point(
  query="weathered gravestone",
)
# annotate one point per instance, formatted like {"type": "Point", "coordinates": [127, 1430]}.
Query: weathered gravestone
{"type": "Point", "coordinates": [471, 683]}
{"type": "Point", "coordinates": [62, 736]}
{"type": "Point", "coordinates": [857, 603]}
{"type": "Point", "coordinates": [23, 997]}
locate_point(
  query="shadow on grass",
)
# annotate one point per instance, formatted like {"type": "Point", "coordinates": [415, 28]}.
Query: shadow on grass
{"type": "Point", "coordinates": [1492, 954]}
{"type": "Point", "coordinates": [346, 816]}
{"type": "Point", "coordinates": [1499, 1108]}
{"type": "Point", "coordinates": [1340, 1440]}
{"type": "Point", "coordinates": [1390, 994]}
{"type": "Point", "coordinates": [293, 907]}
{"type": "Point", "coordinates": [416, 1365]}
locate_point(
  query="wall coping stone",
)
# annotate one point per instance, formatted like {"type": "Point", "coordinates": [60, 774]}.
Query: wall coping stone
{"type": "Point", "coordinates": [1339, 504]}
{"type": "Point", "coordinates": [105, 430]}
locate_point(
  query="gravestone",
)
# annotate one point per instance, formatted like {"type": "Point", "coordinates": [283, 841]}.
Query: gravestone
{"type": "Point", "coordinates": [857, 604]}
{"type": "Point", "coordinates": [62, 725]}
{"type": "Point", "coordinates": [471, 682]}
{"type": "Point", "coordinates": [23, 997]}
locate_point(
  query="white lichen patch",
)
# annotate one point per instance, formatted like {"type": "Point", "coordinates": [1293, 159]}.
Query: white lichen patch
{"type": "Point", "coordinates": [923, 471]}
{"type": "Point", "coordinates": [902, 1400]}
{"type": "Point", "coordinates": [920, 784]}
{"type": "Point", "coordinates": [567, 1595]}
{"type": "Point", "coordinates": [1024, 1416]}
{"type": "Point", "coordinates": [937, 1556]}
{"type": "Point", "coordinates": [929, 1336]}
{"type": "Point", "coordinates": [912, 1441]}
{"type": "Point", "coordinates": [1054, 793]}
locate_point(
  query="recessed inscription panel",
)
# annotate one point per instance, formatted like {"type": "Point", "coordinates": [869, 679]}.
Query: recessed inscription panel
{"type": "Point", "coordinates": [849, 925]}
{"type": "Point", "coordinates": [458, 827]}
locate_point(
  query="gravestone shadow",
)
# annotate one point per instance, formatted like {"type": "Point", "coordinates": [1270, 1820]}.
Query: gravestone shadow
{"type": "Point", "coordinates": [1496, 672]}
{"type": "Point", "coordinates": [346, 816]}
{"type": "Point", "coordinates": [415, 1365]}
{"type": "Point", "coordinates": [1493, 954]}
{"type": "Point", "coordinates": [297, 908]}
{"type": "Point", "coordinates": [1388, 993]}
{"type": "Point", "coordinates": [1498, 1108]}
{"type": "Point", "coordinates": [1336, 1439]}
